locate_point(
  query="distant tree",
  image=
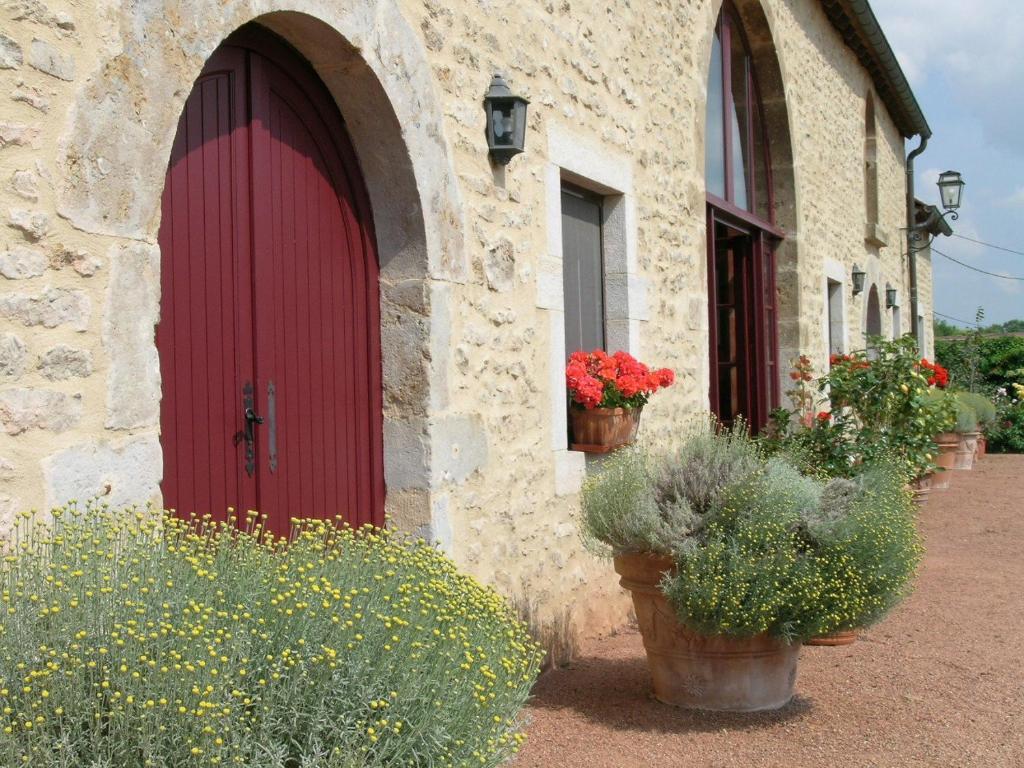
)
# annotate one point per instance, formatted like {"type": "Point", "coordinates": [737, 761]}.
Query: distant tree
{"type": "Point", "coordinates": [944, 328]}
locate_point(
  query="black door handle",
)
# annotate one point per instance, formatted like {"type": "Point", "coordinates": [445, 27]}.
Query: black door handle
{"type": "Point", "coordinates": [251, 420]}
{"type": "Point", "coordinates": [272, 426]}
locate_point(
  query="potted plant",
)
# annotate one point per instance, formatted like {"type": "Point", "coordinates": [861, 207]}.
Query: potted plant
{"type": "Point", "coordinates": [733, 558]}
{"type": "Point", "coordinates": [967, 430]}
{"type": "Point", "coordinates": [606, 396]}
{"type": "Point", "coordinates": [985, 410]}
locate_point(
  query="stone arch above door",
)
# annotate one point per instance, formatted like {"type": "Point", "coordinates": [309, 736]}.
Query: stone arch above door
{"type": "Point", "coordinates": [118, 142]}
{"type": "Point", "coordinates": [123, 123]}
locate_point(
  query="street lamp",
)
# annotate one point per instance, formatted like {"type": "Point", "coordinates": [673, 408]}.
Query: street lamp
{"type": "Point", "coordinates": [890, 297]}
{"type": "Point", "coordinates": [951, 189]}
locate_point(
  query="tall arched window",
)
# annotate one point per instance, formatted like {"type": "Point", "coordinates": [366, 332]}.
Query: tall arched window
{"type": "Point", "coordinates": [741, 234]}
{"type": "Point", "coordinates": [870, 170]}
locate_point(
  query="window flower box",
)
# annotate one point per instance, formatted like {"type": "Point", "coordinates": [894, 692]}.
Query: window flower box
{"type": "Point", "coordinates": [606, 396]}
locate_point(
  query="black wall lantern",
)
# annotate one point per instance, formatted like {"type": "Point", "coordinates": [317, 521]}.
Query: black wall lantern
{"type": "Point", "coordinates": [858, 279]}
{"type": "Point", "coordinates": [890, 297]}
{"type": "Point", "coordinates": [506, 121]}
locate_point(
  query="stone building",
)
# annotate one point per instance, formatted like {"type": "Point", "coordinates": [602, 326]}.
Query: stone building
{"type": "Point", "coordinates": [289, 206]}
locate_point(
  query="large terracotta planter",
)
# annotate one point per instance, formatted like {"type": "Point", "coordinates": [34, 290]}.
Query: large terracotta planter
{"type": "Point", "coordinates": [921, 489]}
{"type": "Point", "coordinates": [948, 442]}
{"type": "Point", "coordinates": [600, 430]}
{"type": "Point", "coordinates": [966, 449]}
{"type": "Point", "coordinates": [700, 672]}
{"type": "Point", "coordinates": [833, 639]}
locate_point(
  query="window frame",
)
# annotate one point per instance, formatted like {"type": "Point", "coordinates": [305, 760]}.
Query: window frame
{"type": "Point", "coordinates": [761, 380]}
{"type": "Point", "coordinates": [729, 24]}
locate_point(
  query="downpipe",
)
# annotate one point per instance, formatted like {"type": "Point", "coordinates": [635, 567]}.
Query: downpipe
{"type": "Point", "coordinates": [911, 254]}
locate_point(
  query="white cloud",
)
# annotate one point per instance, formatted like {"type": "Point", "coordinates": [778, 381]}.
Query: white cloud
{"type": "Point", "coordinates": [974, 48]}
{"type": "Point", "coordinates": [1014, 200]}
{"type": "Point", "coordinates": [1012, 287]}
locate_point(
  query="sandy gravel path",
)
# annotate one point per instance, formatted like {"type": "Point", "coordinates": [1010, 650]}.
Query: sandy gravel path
{"type": "Point", "coordinates": [939, 683]}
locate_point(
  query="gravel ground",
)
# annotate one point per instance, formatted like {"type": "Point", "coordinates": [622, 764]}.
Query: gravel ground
{"type": "Point", "coordinates": [939, 683]}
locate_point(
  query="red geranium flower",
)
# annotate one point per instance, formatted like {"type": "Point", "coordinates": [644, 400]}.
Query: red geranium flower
{"type": "Point", "coordinates": [597, 379]}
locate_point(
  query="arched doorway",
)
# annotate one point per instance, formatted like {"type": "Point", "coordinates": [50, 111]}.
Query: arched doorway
{"type": "Point", "coordinates": [873, 321]}
{"type": "Point", "coordinates": [742, 233]}
{"type": "Point", "coordinates": [269, 337]}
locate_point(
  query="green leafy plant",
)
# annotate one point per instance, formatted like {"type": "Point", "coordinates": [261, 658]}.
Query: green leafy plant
{"type": "Point", "coordinates": [1006, 433]}
{"type": "Point", "coordinates": [135, 640]}
{"type": "Point", "coordinates": [1000, 364]}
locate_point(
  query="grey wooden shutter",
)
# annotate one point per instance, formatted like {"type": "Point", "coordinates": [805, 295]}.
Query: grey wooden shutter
{"type": "Point", "coordinates": [582, 270]}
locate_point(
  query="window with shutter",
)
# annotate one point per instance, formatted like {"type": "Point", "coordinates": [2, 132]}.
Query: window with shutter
{"type": "Point", "coordinates": [582, 270]}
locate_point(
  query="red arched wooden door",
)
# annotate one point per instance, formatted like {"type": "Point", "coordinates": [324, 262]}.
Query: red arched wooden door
{"type": "Point", "coordinates": [269, 336]}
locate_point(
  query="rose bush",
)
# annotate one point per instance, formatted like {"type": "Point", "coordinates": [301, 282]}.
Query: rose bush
{"type": "Point", "coordinates": [884, 404]}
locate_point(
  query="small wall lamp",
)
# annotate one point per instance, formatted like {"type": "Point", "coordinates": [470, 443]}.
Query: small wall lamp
{"type": "Point", "coordinates": [890, 297]}
{"type": "Point", "coordinates": [857, 276]}
{"type": "Point", "coordinates": [506, 121]}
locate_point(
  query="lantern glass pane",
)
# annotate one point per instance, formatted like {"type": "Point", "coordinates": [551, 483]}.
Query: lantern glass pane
{"type": "Point", "coordinates": [949, 189]}
{"type": "Point", "coordinates": [502, 122]}
{"type": "Point", "coordinates": [519, 124]}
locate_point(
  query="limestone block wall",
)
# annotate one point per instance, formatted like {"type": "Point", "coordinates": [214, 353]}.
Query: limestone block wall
{"type": "Point", "coordinates": [471, 302]}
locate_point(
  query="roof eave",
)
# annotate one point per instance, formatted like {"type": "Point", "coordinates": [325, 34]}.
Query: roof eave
{"type": "Point", "coordinates": [861, 31]}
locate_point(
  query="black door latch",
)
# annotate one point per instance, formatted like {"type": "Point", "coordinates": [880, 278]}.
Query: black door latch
{"type": "Point", "coordinates": [251, 420]}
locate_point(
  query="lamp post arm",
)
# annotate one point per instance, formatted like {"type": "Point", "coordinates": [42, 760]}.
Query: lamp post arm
{"type": "Point", "coordinates": [920, 231]}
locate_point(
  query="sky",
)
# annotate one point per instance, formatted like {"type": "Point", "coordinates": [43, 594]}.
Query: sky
{"type": "Point", "coordinates": [965, 62]}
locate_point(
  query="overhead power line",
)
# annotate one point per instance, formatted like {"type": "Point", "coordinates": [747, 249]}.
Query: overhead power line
{"type": "Point", "coordinates": [955, 319]}
{"type": "Point", "coordinates": [988, 245]}
{"type": "Point", "coordinates": [968, 266]}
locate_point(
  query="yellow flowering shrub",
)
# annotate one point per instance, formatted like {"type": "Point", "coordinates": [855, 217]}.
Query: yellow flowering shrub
{"type": "Point", "coordinates": [130, 639]}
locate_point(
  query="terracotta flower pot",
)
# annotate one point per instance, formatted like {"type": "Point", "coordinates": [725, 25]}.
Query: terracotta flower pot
{"type": "Point", "coordinates": [921, 489]}
{"type": "Point", "coordinates": [966, 449]}
{"type": "Point", "coordinates": [600, 430]}
{"type": "Point", "coordinates": [832, 639]}
{"type": "Point", "coordinates": [700, 672]}
{"type": "Point", "coordinates": [982, 447]}
{"type": "Point", "coordinates": [948, 443]}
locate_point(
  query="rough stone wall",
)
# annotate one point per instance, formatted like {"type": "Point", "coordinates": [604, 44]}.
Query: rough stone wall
{"type": "Point", "coordinates": [470, 458]}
